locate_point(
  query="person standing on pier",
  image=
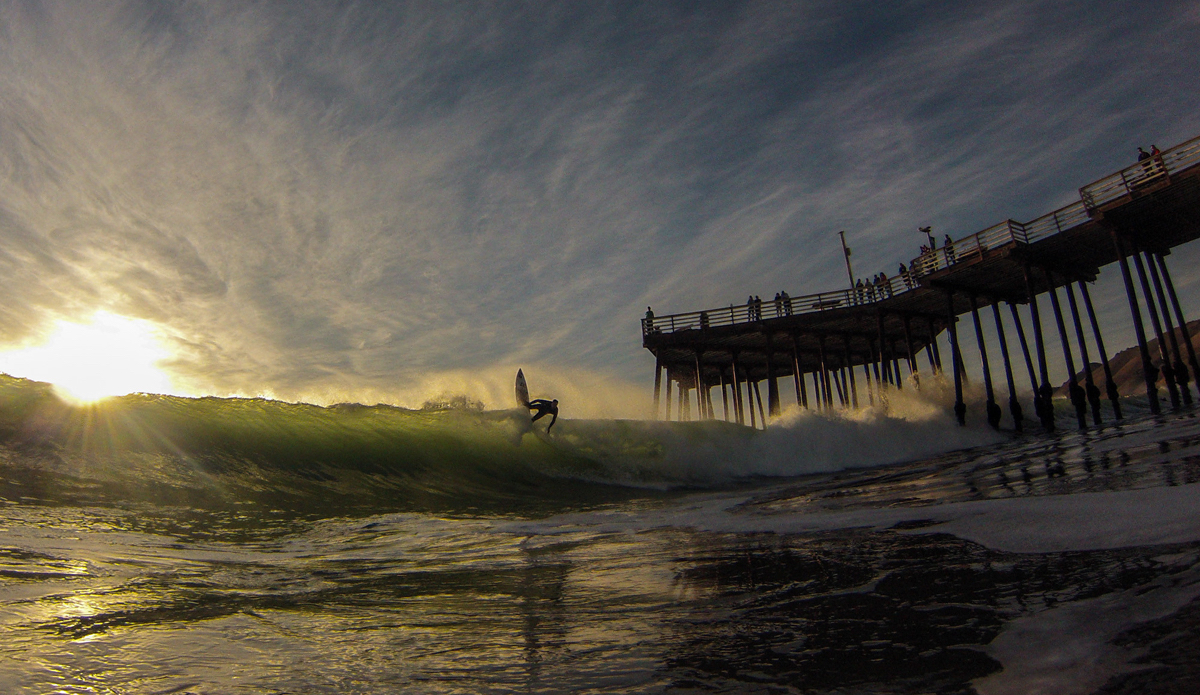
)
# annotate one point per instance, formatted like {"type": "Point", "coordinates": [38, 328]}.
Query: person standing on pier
{"type": "Point", "coordinates": [948, 246]}
{"type": "Point", "coordinates": [750, 308]}
{"type": "Point", "coordinates": [787, 303]}
{"type": "Point", "coordinates": [905, 276]}
{"type": "Point", "coordinates": [1145, 161]}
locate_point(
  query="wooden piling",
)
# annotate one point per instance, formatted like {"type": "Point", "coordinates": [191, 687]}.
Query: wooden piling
{"type": "Point", "coordinates": [875, 365]}
{"type": "Point", "coordinates": [658, 367]}
{"type": "Point", "coordinates": [826, 388]}
{"type": "Point", "coordinates": [850, 369]}
{"type": "Point", "coordinates": [1014, 405]}
{"type": "Point", "coordinates": [1090, 391]}
{"type": "Point", "coordinates": [758, 397]}
{"type": "Point", "coordinates": [884, 351]}
{"type": "Point", "coordinates": [838, 377]}
{"type": "Point", "coordinates": [668, 416]}
{"type": "Point", "coordinates": [738, 409]}
{"type": "Point", "coordinates": [1178, 371]}
{"type": "Point", "coordinates": [960, 408]}
{"type": "Point", "coordinates": [993, 410]}
{"type": "Point", "coordinates": [1187, 338]}
{"type": "Point", "coordinates": [933, 345]}
{"type": "Point", "coordinates": [1042, 399]}
{"type": "Point", "coordinates": [772, 379]}
{"type": "Point", "coordinates": [801, 395]}
{"type": "Point", "coordinates": [1149, 372]}
{"type": "Point", "coordinates": [1033, 383]}
{"type": "Point", "coordinates": [908, 345]}
{"type": "Point", "coordinates": [1110, 386]}
{"type": "Point", "coordinates": [724, 396]}
{"type": "Point", "coordinates": [1167, 369]}
{"type": "Point", "coordinates": [1076, 392]}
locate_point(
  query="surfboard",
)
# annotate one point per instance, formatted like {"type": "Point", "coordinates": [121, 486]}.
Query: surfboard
{"type": "Point", "coordinates": [522, 390]}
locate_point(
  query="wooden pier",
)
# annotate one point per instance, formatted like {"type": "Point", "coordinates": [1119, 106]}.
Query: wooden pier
{"type": "Point", "coordinates": [1133, 217]}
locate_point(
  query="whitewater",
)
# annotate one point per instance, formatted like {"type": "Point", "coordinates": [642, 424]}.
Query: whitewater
{"type": "Point", "coordinates": [157, 544]}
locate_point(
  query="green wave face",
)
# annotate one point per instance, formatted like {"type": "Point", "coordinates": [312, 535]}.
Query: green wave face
{"type": "Point", "coordinates": [225, 451]}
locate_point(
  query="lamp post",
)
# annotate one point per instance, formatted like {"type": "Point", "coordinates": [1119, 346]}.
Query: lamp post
{"type": "Point", "coordinates": [846, 253]}
{"type": "Point", "coordinates": [928, 232]}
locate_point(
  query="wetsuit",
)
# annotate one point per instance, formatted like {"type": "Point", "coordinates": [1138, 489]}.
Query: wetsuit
{"type": "Point", "coordinates": [544, 408]}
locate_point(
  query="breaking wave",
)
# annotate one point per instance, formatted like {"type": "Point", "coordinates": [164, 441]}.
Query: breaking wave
{"type": "Point", "coordinates": [203, 452]}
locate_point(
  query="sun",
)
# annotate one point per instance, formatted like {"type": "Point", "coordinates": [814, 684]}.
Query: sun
{"type": "Point", "coordinates": [109, 355]}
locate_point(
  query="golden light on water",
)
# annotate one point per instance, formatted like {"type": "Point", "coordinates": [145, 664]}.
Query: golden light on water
{"type": "Point", "coordinates": [109, 355]}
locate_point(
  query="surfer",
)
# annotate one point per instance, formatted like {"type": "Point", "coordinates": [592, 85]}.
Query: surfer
{"type": "Point", "coordinates": [544, 408]}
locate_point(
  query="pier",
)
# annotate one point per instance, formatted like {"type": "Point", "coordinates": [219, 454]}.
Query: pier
{"type": "Point", "coordinates": [841, 347]}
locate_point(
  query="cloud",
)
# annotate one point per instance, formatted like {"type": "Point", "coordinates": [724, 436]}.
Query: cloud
{"type": "Point", "coordinates": [353, 201]}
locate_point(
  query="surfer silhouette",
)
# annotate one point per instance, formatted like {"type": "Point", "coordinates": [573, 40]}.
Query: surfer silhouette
{"type": "Point", "coordinates": [544, 408]}
{"type": "Point", "coordinates": [541, 405]}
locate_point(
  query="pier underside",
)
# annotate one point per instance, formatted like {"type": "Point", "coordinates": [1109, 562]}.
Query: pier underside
{"type": "Point", "coordinates": [1140, 212]}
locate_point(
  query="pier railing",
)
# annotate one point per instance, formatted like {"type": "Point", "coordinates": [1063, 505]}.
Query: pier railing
{"type": "Point", "coordinates": [1147, 174]}
{"type": "Point", "coordinates": [1143, 176]}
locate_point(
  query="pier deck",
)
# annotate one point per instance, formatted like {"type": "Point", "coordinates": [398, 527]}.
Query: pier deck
{"type": "Point", "coordinates": [1149, 207]}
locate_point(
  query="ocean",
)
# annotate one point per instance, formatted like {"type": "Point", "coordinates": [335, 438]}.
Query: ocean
{"type": "Point", "coordinates": [155, 544]}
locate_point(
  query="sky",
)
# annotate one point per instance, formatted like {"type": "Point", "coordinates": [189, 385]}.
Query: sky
{"type": "Point", "coordinates": [380, 202]}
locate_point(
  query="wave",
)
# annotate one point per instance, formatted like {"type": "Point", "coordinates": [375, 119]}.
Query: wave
{"type": "Point", "coordinates": [210, 451]}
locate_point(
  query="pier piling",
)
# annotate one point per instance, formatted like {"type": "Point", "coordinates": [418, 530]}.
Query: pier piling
{"type": "Point", "coordinates": [992, 409]}
{"type": "Point", "coordinates": [1166, 369]}
{"type": "Point", "coordinates": [1178, 370]}
{"type": "Point", "coordinates": [1014, 404]}
{"type": "Point", "coordinates": [1091, 391]}
{"type": "Point", "coordinates": [1183, 329]}
{"type": "Point", "coordinates": [1110, 386]}
{"type": "Point", "coordinates": [881, 325]}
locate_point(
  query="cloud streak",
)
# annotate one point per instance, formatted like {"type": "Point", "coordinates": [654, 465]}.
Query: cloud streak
{"type": "Point", "coordinates": [351, 202]}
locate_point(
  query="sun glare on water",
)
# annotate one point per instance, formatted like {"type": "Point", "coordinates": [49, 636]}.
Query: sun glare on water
{"type": "Point", "coordinates": [110, 355]}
